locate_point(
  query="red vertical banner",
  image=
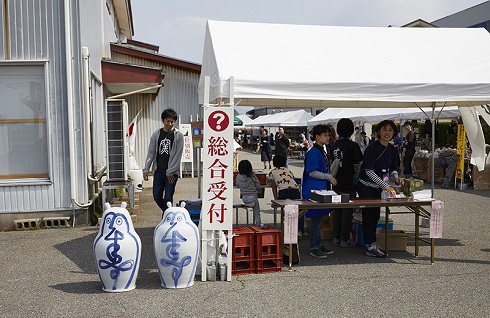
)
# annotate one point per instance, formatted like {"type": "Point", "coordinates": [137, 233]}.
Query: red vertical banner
{"type": "Point", "coordinates": [217, 198]}
{"type": "Point", "coordinates": [436, 214]}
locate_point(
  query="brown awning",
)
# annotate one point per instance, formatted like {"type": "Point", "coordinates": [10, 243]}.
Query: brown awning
{"type": "Point", "coordinates": [121, 78]}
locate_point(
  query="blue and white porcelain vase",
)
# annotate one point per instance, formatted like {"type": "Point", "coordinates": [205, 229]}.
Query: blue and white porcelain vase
{"type": "Point", "coordinates": [176, 241]}
{"type": "Point", "coordinates": [117, 250]}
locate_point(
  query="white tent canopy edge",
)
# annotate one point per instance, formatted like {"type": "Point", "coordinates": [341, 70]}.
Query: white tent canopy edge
{"type": "Point", "coordinates": [322, 66]}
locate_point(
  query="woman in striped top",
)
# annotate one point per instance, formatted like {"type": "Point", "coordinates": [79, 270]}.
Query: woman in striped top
{"type": "Point", "coordinates": [378, 168]}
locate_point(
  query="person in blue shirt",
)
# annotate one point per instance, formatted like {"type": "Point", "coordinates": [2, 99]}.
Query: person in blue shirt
{"type": "Point", "coordinates": [316, 176]}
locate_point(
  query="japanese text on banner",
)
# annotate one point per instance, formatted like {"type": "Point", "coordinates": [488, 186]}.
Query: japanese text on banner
{"type": "Point", "coordinates": [185, 129]}
{"type": "Point", "coordinates": [217, 203]}
{"type": "Point", "coordinates": [291, 224]}
{"type": "Point", "coordinates": [460, 151]}
{"type": "Point", "coordinates": [436, 219]}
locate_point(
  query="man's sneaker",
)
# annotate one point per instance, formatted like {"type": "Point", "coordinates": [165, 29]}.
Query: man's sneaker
{"type": "Point", "coordinates": [375, 252]}
{"type": "Point", "coordinates": [318, 253]}
{"type": "Point", "coordinates": [336, 241]}
{"type": "Point", "coordinates": [326, 250]}
{"type": "Point", "coordinates": [377, 246]}
{"type": "Point", "coordinates": [348, 243]}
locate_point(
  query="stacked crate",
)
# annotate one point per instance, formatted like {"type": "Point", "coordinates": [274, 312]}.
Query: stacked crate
{"type": "Point", "coordinates": [243, 260]}
{"type": "Point", "coordinates": [267, 249]}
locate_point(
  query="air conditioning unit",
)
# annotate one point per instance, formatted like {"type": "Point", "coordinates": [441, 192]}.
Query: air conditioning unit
{"type": "Point", "coordinates": [117, 149]}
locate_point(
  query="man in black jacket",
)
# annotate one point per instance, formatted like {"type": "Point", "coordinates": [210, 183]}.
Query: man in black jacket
{"type": "Point", "coordinates": [282, 143]}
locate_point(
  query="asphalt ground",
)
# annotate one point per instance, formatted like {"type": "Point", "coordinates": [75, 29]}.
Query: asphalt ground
{"type": "Point", "coordinates": [52, 272]}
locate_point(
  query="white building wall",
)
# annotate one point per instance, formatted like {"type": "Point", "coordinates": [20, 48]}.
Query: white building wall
{"type": "Point", "coordinates": [37, 33]}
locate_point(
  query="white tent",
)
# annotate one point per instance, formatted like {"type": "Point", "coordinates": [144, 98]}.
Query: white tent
{"type": "Point", "coordinates": [375, 115]}
{"type": "Point", "coordinates": [263, 120]}
{"type": "Point", "coordinates": [322, 66]}
{"type": "Point", "coordinates": [297, 118]}
{"type": "Point", "coordinates": [245, 120]}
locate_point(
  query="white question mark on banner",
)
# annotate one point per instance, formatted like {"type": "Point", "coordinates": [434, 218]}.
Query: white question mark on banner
{"type": "Point", "coordinates": [220, 117]}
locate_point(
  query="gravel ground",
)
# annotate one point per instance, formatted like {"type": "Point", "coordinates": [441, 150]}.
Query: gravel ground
{"type": "Point", "coordinates": [51, 272]}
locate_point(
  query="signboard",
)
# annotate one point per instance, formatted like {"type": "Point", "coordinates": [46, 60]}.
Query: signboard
{"type": "Point", "coordinates": [217, 198]}
{"type": "Point", "coordinates": [436, 214]}
{"type": "Point", "coordinates": [197, 129]}
{"type": "Point", "coordinates": [460, 151]}
{"type": "Point", "coordinates": [291, 224]}
{"type": "Point", "coordinates": [187, 156]}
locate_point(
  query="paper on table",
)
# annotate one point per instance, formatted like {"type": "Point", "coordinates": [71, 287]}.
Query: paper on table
{"type": "Point", "coordinates": [422, 194]}
{"type": "Point", "coordinates": [325, 192]}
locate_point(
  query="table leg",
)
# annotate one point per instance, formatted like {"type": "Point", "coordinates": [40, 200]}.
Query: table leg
{"type": "Point", "coordinates": [275, 216]}
{"type": "Point", "coordinates": [131, 197]}
{"type": "Point", "coordinates": [387, 223]}
{"type": "Point", "coordinates": [417, 231]}
{"type": "Point", "coordinates": [432, 248]}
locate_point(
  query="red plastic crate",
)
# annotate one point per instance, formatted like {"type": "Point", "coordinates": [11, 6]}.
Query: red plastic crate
{"type": "Point", "coordinates": [243, 250]}
{"type": "Point", "coordinates": [243, 267]}
{"type": "Point", "coordinates": [268, 266]}
{"type": "Point", "coordinates": [267, 241]}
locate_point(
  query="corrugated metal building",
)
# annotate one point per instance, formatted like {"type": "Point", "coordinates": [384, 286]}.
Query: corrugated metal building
{"type": "Point", "coordinates": [179, 92]}
{"type": "Point", "coordinates": [52, 106]}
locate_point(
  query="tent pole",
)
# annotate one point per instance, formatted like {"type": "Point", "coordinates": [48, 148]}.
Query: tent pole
{"type": "Point", "coordinates": [433, 146]}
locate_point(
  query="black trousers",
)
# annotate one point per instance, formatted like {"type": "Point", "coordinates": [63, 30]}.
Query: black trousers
{"type": "Point", "coordinates": [342, 219]}
{"type": "Point", "coordinates": [370, 216]}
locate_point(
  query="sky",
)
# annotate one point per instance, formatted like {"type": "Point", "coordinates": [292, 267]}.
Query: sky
{"type": "Point", "coordinates": [178, 27]}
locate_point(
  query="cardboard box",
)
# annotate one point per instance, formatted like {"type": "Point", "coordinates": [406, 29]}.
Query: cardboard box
{"type": "Point", "coordinates": [481, 179]}
{"type": "Point", "coordinates": [397, 240]}
{"type": "Point", "coordinates": [421, 167]}
{"type": "Point", "coordinates": [326, 234]}
{"type": "Point", "coordinates": [326, 228]}
{"type": "Point", "coordinates": [439, 170]}
{"type": "Point", "coordinates": [411, 185]}
{"type": "Point", "coordinates": [329, 198]}
{"type": "Point", "coordinates": [359, 234]}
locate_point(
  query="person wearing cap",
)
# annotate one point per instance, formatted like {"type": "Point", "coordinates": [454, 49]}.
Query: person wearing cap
{"type": "Point", "coordinates": [408, 151]}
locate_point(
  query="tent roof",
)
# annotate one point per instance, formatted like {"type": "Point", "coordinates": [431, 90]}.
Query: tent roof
{"type": "Point", "coordinates": [298, 118]}
{"type": "Point", "coordinates": [325, 66]}
{"type": "Point", "coordinates": [245, 121]}
{"type": "Point", "coordinates": [375, 115]}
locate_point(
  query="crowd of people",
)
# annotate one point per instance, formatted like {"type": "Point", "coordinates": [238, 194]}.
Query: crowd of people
{"type": "Point", "coordinates": [348, 162]}
{"type": "Point", "coordinates": [363, 167]}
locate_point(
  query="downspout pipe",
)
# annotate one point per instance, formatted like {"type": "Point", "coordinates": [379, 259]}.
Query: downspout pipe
{"type": "Point", "coordinates": [6, 28]}
{"type": "Point", "coordinates": [86, 108]}
{"type": "Point", "coordinates": [70, 108]}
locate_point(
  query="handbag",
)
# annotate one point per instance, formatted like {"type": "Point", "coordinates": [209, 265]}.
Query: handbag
{"type": "Point", "coordinates": [334, 167]}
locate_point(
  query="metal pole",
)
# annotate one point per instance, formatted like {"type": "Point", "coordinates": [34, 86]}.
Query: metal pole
{"type": "Point", "coordinates": [433, 146]}
{"type": "Point", "coordinates": [198, 173]}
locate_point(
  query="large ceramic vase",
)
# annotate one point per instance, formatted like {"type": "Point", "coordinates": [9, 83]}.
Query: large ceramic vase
{"type": "Point", "coordinates": [176, 241]}
{"type": "Point", "coordinates": [117, 250]}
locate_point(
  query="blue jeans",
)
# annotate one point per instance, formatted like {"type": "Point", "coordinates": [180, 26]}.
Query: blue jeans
{"type": "Point", "coordinates": [249, 199]}
{"type": "Point", "coordinates": [161, 185]}
{"type": "Point", "coordinates": [315, 238]}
